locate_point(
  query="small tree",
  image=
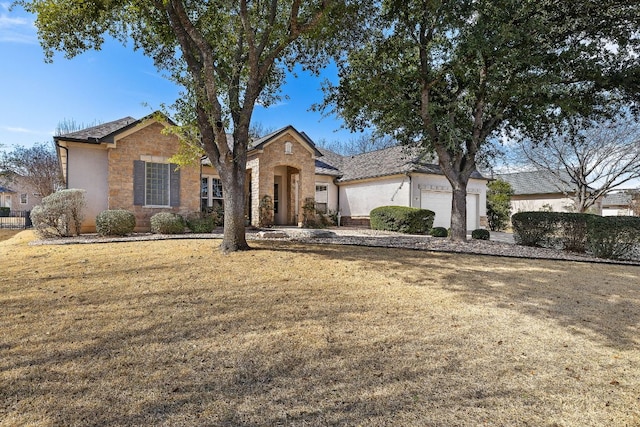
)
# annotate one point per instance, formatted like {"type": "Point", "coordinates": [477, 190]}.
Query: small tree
{"type": "Point", "coordinates": [37, 166]}
{"type": "Point", "coordinates": [499, 194]}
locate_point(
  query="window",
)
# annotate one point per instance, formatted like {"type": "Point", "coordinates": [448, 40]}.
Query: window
{"type": "Point", "coordinates": [156, 184]}
{"type": "Point", "coordinates": [288, 148]}
{"type": "Point", "coordinates": [211, 193]}
{"type": "Point", "coordinates": [24, 199]}
{"type": "Point", "coordinates": [322, 197]}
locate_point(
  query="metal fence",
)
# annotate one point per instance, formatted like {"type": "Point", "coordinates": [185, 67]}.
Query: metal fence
{"type": "Point", "coordinates": [16, 220]}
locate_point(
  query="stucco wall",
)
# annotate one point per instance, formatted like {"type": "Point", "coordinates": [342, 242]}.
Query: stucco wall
{"type": "Point", "coordinates": [88, 170]}
{"type": "Point", "coordinates": [537, 202]}
{"type": "Point", "coordinates": [357, 199]}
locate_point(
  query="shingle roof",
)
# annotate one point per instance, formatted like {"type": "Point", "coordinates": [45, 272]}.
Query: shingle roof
{"type": "Point", "coordinates": [616, 199]}
{"type": "Point", "coordinates": [6, 190]}
{"type": "Point", "coordinates": [385, 162]}
{"type": "Point", "coordinates": [96, 134]}
{"type": "Point", "coordinates": [537, 182]}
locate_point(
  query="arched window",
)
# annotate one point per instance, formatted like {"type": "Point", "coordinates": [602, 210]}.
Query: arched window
{"type": "Point", "coordinates": [288, 148]}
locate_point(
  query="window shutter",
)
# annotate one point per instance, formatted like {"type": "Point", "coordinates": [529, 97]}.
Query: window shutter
{"type": "Point", "coordinates": [138, 183]}
{"type": "Point", "coordinates": [174, 185]}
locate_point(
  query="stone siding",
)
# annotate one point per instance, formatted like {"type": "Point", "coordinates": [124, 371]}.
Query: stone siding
{"type": "Point", "coordinates": [149, 142]}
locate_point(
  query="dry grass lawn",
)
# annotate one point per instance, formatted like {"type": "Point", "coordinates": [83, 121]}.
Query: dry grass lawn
{"type": "Point", "coordinates": [175, 333]}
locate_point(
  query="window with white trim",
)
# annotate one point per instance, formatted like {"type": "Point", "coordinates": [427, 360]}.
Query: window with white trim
{"type": "Point", "coordinates": [322, 197]}
{"type": "Point", "coordinates": [211, 193]}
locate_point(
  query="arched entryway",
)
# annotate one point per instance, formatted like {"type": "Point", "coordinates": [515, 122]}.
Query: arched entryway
{"type": "Point", "coordinates": [286, 195]}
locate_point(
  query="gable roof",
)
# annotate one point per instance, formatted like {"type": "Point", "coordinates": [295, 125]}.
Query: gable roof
{"type": "Point", "coordinates": [537, 182]}
{"type": "Point", "coordinates": [375, 164]}
{"type": "Point", "coordinates": [99, 133]}
{"type": "Point", "coordinates": [260, 143]}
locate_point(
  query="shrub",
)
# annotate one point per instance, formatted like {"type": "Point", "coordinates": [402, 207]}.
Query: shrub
{"type": "Point", "coordinates": [59, 214]}
{"type": "Point", "coordinates": [439, 232]}
{"type": "Point", "coordinates": [534, 228]}
{"type": "Point", "coordinates": [202, 223]}
{"type": "Point", "coordinates": [115, 222]}
{"type": "Point", "coordinates": [480, 234]}
{"type": "Point", "coordinates": [266, 210]}
{"type": "Point", "coordinates": [572, 231]}
{"type": "Point", "coordinates": [499, 194]}
{"type": "Point", "coordinates": [167, 223]}
{"type": "Point", "coordinates": [402, 219]}
{"type": "Point", "coordinates": [5, 211]}
{"type": "Point", "coordinates": [613, 237]}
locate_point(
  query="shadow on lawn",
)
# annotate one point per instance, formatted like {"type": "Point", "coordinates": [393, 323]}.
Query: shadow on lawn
{"type": "Point", "coordinates": [604, 299]}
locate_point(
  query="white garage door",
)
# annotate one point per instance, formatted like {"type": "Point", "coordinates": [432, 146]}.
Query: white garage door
{"type": "Point", "coordinates": [440, 203]}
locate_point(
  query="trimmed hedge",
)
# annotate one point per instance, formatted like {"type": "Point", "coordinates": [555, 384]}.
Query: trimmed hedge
{"type": "Point", "coordinates": [60, 214]}
{"type": "Point", "coordinates": [201, 224]}
{"type": "Point", "coordinates": [480, 234]}
{"type": "Point", "coordinates": [609, 237]}
{"type": "Point", "coordinates": [402, 219]}
{"type": "Point", "coordinates": [439, 232]}
{"type": "Point", "coordinates": [5, 211]}
{"type": "Point", "coordinates": [115, 222]}
{"type": "Point", "coordinates": [167, 223]}
{"type": "Point", "coordinates": [613, 237]}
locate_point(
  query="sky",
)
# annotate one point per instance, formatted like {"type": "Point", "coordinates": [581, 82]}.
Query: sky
{"type": "Point", "coordinates": [115, 82]}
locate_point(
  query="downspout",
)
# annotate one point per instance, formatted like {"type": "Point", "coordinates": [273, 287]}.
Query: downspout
{"type": "Point", "coordinates": [66, 166]}
{"type": "Point", "coordinates": [339, 214]}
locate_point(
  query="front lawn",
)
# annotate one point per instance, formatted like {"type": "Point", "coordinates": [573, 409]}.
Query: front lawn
{"type": "Point", "coordinates": [175, 333]}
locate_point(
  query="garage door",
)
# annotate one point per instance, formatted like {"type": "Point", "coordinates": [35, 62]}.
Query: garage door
{"type": "Point", "coordinates": [440, 203]}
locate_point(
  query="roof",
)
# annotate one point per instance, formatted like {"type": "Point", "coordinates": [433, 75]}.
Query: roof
{"type": "Point", "coordinates": [537, 182]}
{"type": "Point", "coordinates": [259, 143]}
{"type": "Point", "coordinates": [374, 164]}
{"type": "Point", "coordinates": [6, 190]}
{"type": "Point", "coordinates": [616, 199]}
{"type": "Point", "coordinates": [98, 134]}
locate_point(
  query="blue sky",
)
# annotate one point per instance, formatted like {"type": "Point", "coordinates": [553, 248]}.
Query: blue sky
{"type": "Point", "coordinates": [100, 86]}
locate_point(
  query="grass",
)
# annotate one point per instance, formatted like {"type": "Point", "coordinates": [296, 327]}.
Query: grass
{"type": "Point", "coordinates": [175, 333]}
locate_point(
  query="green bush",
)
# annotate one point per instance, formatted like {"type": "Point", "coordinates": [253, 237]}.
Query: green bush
{"type": "Point", "coordinates": [60, 214]}
{"type": "Point", "coordinates": [535, 228]}
{"type": "Point", "coordinates": [439, 232]}
{"type": "Point", "coordinates": [5, 211]}
{"type": "Point", "coordinates": [202, 223]}
{"type": "Point", "coordinates": [167, 223]}
{"type": "Point", "coordinates": [480, 234]}
{"type": "Point", "coordinates": [115, 222]}
{"type": "Point", "coordinates": [402, 219]}
{"type": "Point", "coordinates": [613, 237]}
{"type": "Point", "coordinates": [499, 194]}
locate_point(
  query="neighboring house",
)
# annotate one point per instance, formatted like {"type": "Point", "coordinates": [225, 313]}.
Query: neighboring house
{"type": "Point", "coordinates": [124, 164]}
{"type": "Point", "coordinates": [617, 204]}
{"type": "Point", "coordinates": [539, 190]}
{"type": "Point", "coordinates": [17, 195]}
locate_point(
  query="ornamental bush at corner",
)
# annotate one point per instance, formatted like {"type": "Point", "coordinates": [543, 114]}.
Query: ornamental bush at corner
{"type": "Point", "coordinates": [439, 232]}
{"type": "Point", "coordinates": [167, 223]}
{"type": "Point", "coordinates": [115, 222]}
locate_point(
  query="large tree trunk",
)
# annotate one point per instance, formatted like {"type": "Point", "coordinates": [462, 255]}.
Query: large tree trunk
{"type": "Point", "coordinates": [234, 238]}
{"type": "Point", "coordinates": [459, 212]}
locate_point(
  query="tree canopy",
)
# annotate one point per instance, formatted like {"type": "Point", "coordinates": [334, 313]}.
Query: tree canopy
{"type": "Point", "coordinates": [35, 166]}
{"type": "Point", "coordinates": [449, 76]}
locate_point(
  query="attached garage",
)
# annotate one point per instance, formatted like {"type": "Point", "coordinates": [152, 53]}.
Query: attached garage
{"type": "Point", "coordinates": [440, 203]}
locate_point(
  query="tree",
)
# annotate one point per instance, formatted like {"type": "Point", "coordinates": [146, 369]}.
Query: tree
{"type": "Point", "coordinates": [227, 55]}
{"type": "Point", "coordinates": [448, 76]}
{"type": "Point", "coordinates": [363, 143]}
{"type": "Point", "coordinates": [589, 157]}
{"type": "Point", "coordinates": [499, 194]}
{"type": "Point", "coordinates": [36, 166]}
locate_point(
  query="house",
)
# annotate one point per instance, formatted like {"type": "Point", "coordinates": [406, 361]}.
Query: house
{"type": "Point", "coordinates": [17, 195]}
{"type": "Point", "coordinates": [540, 190]}
{"type": "Point", "coordinates": [125, 164]}
{"type": "Point", "coordinates": [617, 204]}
